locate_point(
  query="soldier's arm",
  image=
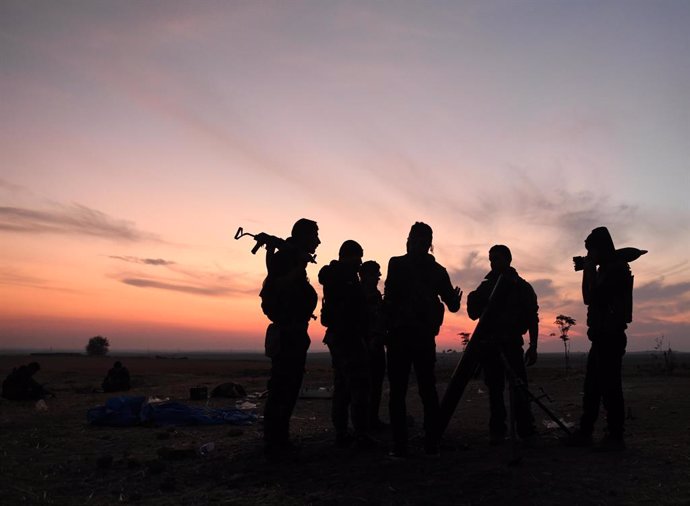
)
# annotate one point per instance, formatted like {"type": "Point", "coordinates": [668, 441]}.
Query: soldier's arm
{"type": "Point", "coordinates": [390, 291]}
{"type": "Point", "coordinates": [284, 271]}
{"type": "Point", "coordinates": [531, 352]}
{"type": "Point", "coordinates": [532, 309]}
{"type": "Point", "coordinates": [450, 295]}
{"type": "Point", "coordinates": [533, 312]}
{"type": "Point", "coordinates": [589, 275]}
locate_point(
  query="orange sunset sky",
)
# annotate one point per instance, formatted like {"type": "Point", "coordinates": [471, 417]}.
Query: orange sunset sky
{"type": "Point", "coordinates": [137, 136]}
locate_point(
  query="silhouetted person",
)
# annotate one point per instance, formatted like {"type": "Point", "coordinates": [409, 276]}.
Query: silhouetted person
{"type": "Point", "coordinates": [514, 313]}
{"type": "Point", "coordinates": [20, 384]}
{"type": "Point", "coordinates": [414, 315]}
{"type": "Point", "coordinates": [117, 379]}
{"type": "Point", "coordinates": [344, 313]}
{"type": "Point", "coordinates": [607, 293]}
{"type": "Point", "coordinates": [289, 300]}
{"type": "Point", "coordinates": [369, 274]}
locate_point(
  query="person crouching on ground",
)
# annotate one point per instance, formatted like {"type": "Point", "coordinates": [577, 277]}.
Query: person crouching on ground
{"type": "Point", "coordinates": [117, 379]}
{"type": "Point", "coordinates": [20, 384]}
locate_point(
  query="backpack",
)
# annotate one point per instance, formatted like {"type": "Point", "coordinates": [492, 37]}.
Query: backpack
{"type": "Point", "coordinates": [325, 316]}
{"type": "Point", "coordinates": [270, 301]}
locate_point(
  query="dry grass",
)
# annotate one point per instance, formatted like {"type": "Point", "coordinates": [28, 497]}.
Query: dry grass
{"type": "Point", "coordinates": [54, 457]}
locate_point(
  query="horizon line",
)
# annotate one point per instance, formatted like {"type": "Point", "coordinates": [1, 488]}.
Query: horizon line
{"type": "Point", "coordinates": [179, 351]}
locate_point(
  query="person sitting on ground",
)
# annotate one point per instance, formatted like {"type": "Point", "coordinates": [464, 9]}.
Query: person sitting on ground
{"type": "Point", "coordinates": [20, 384]}
{"type": "Point", "coordinates": [117, 379]}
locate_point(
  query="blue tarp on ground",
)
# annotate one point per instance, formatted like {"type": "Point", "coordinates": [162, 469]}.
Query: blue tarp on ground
{"type": "Point", "coordinates": [117, 412]}
{"type": "Point", "coordinates": [127, 411]}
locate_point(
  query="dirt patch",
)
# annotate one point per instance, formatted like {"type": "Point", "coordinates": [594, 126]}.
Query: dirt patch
{"type": "Point", "coordinates": [55, 457]}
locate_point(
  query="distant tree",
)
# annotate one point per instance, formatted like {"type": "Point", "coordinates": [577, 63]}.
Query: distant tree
{"type": "Point", "coordinates": [465, 339]}
{"type": "Point", "coordinates": [669, 363]}
{"type": "Point", "coordinates": [98, 346]}
{"type": "Point", "coordinates": [564, 323]}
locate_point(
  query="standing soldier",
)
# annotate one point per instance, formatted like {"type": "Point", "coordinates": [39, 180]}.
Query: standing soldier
{"type": "Point", "coordinates": [344, 313]}
{"type": "Point", "coordinates": [515, 312]}
{"type": "Point", "coordinates": [289, 300]}
{"type": "Point", "coordinates": [414, 316]}
{"type": "Point", "coordinates": [607, 293]}
{"type": "Point", "coordinates": [370, 274]}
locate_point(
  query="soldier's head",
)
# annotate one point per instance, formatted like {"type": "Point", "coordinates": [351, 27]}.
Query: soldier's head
{"type": "Point", "coordinates": [600, 246]}
{"type": "Point", "coordinates": [370, 272]}
{"type": "Point", "coordinates": [305, 233]}
{"type": "Point", "coordinates": [500, 258]}
{"type": "Point", "coordinates": [351, 252]}
{"type": "Point", "coordinates": [34, 367]}
{"type": "Point", "coordinates": [419, 240]}
{"type": "Point", "coordinates": [117, 364]}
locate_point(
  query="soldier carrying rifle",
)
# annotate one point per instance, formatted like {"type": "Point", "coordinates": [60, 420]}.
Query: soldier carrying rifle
{"type": "Point", "coordinates": [289, 300]}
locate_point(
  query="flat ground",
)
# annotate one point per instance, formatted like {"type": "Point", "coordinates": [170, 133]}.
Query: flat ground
{"type": "Point", "coordinates": [54, 457]}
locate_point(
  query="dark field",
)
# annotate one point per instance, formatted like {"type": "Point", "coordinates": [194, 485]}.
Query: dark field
{"type": "Point", "coordinates": [54, 457]}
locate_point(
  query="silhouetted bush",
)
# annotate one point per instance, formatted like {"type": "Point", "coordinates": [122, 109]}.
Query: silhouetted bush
{"type": "Point", "coordinates": [97, 346]}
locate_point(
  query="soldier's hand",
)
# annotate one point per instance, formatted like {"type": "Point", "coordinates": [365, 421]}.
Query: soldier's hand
{"type": "Point", "coordinates": [531, 355]}
{"type": "Point", "coordinates": [458, 293]}
{"type": "Point", "coordinates": [589, 264]}
{"type": "Point", "coordinates": [261, 238]}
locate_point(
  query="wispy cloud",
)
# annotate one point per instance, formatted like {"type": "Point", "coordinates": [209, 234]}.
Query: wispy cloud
{"type": "Point", "coordinates": [15, 277]}
{"type": "Point", "coordinates": [199, 289]}
{"type": "Point", "coordinates": [71, 220]}
{"type": "Point", "coordinates": [11, 187]}
{"type": "Point", "coordinates": [544, 288]}
{"type": "Point", "coordinates": [185, 279]}
{"type": "Point", "coordinates": [145, 261]}
{"type": "Point", "coordinates": [658, 291]}
{"type": "Point", "coordinates": [666, 302]}
{"type": "Point", "coordinates": [471, 273]}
